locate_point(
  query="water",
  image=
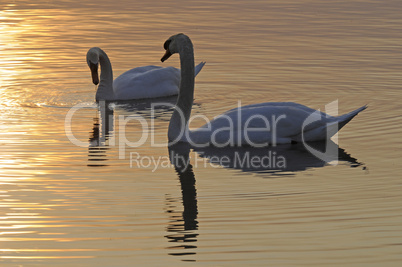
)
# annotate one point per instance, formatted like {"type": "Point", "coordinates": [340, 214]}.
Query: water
{"type": "Point", "coordinates": [93, 205]}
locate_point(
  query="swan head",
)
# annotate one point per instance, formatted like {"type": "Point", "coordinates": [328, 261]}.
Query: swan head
{"type": "Point", "coordinates": [93, 63]}
{"type": "Point", "coordinates": [172, 45]}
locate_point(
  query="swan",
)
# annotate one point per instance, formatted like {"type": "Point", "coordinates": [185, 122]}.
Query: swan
{"type": "Point", "coordinates": [138, 83]}
{"type": "Point", "coordinates": [256, 125]}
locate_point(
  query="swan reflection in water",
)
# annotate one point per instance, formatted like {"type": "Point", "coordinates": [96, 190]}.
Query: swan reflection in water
{"type": "Point", "coordinates": [102, 134]}
{"type": "Point", "coordinates": [182, 228]}
{"type": "Point", "coordinates": [102, 131]}
{"type": "Point", "coordinates": [160, 108]}
{"type": "Point", "coordinates": [286, 159]}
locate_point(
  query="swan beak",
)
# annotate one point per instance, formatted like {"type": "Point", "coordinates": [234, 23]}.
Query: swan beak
{"type": "Point", "coordinates": [94, 73]}
{"type": "Point", "coordinates": [166, 55]}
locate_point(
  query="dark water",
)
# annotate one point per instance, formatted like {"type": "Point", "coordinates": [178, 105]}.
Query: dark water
{"type": "Point", "coordinates": [107, 202]}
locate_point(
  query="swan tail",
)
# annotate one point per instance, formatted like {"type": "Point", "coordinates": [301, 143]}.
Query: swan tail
{"type": "Point", "coordinates": [198, 68]}
{"type": "Point", "coordinates": [328, 129]}
{"type": "Point", "coordinates": [344, 119]}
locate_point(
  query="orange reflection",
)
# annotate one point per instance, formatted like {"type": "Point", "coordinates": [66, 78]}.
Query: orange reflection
{"type": "Point", "coordinates": [46, 257]}
{"type": "Point", "coordinates": [10, 61]}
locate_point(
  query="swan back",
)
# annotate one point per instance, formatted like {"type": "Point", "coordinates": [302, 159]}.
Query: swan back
{"type": "Point", "coordinates": [147, 82]}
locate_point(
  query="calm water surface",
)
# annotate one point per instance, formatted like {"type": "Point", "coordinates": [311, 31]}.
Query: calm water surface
{"type": "Point", "coordinates": [94, 205]}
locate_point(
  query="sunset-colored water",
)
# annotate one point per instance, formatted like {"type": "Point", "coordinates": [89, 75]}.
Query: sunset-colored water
{"type": "Point", "coordinates": [77, 192]}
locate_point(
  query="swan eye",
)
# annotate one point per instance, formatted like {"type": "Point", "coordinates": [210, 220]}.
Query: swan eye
{"type": "Point", "coordinates": [166, 44]}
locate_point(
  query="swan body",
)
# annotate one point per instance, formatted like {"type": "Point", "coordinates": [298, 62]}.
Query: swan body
{"type": "Point", "coordinates": [269, 123]}
{"type": "Point", "coordinates": [138, 83]}
{"type": "Point", "coordinates": [256, 125]}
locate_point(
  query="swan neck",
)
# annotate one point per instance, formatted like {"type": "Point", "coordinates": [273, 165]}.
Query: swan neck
{"type": "Point", "coordinates": [181, 115]}
{"type": "Point", "coordinates": [186, 90]}
{"type": "Point", "coordinates": [105, 88]}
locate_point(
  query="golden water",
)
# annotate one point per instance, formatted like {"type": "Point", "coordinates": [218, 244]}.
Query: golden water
{"type": "Point", "coordinates": [66, 205]}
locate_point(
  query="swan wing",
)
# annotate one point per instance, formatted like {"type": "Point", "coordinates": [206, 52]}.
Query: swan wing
{"type": "Point", "coordinates": [271, 123]}
{"type": "Point", "coordinates": [263, 123]}
{"type": "Point", "coordinates": [147, 82]}
{"type": "Point", "coordinates": [281, 104]}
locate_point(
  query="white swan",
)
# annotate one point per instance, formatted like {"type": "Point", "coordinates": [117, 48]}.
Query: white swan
{"type": "Point", "coordinates": [255, 125]}
{"type": "Point", "coordinates": [137, 83]}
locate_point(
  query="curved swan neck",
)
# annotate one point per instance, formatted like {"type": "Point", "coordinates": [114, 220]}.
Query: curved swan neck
{"type": "Point", "coordinates": [105, 88]}
{"type": "Point", "coordinates": [181, 114]}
